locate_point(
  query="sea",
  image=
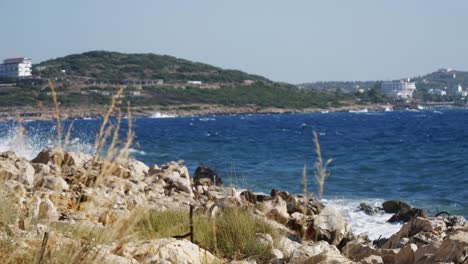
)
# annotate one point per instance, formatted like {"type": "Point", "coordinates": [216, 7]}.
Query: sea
{"type": "Point", "coordinates": [418, 156]}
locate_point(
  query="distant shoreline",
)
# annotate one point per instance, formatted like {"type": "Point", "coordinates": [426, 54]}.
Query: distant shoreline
{"type": "Point", "coordinates": [30, 114]}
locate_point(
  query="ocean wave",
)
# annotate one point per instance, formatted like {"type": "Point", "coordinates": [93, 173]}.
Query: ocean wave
{"type": "Point", "coordinates": [372, 225]}
{"type": "Point", "coordinates": [34, 140]}
{"type": "Point", "coordinates": [162, 115]}
{"type": "Point", "coordinates": [136, 151]}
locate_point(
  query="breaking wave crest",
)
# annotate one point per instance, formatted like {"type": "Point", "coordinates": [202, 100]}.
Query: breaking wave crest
{"type": "Point", "coordinates": [36, 138]}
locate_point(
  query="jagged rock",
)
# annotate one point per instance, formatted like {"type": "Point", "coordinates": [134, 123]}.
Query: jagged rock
{"type": "Point", "coordinates": [46, 210]}
{"type": "Point", "coordinates": [330, 226]}
{"type": "Point", "coordinates": [45, 156]}
{"type": "Point", "coordinates": [317, 252]}
{"type": "Point", "coordinates": [298, 222]}
{"type": "Point", "coordinates": [249, 196]}
{"type": "Point", "coordinates": [288, 246]}
{"type": "Point", "coordinates": [206, 176]}
{"type": "Point", "coordinates": [425, 253]}
{"type": "Point", "coordinates": [41, 169]}
{"type": "Point", "coordinates": [454, 221]}
{"type": "Point", "coordinates": [181, 183]}
{"type": "Point", "coordinates": [138, 168]}
{"type": "Point", "coordinates": [372, 260]}
{"type": "Point", "coordinates": [54, 183]}
{"type": "Point", "coordinates": [406, 254]}
{"type": "Point", "coordinates": [357, 251]}
{"type": "Point", "coordinates": [167, 250]}
{"type": "Point", "coordinates": [76, 159]}
{"type": "Point", "coordinates": [153, 170]}
{"type": "Point", "coordinates": [405, 217]}
{"type": "Point", "coordinates": [454, 248]}
{"type": "Point", "coordinates": [229, 202]}
{"type": "Point", "coordinates": [277, 254]}
{"type": "Point", "coordinates": [368, 209]}
{"type": "Point", "coordinates": [277, 210]}
{"type": "Point", "coordinates": [264, 239]}
{"type": "Point", "coordinates": [431, 227]}
{"type": "Point", "coordinates": [395, 206]}
{"type": "Point", "coordinates": [17, 169]}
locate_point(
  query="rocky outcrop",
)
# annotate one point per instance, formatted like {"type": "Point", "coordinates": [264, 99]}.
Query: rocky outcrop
{"type": "Point", "coordinates": [331, 226]}
{"type": "Point", "coordinates": [402, 211]}
{"type": "Point", "coordinates": [60, 188]}
{"type": "Point", "coordinates": [421, 240]}
{"type": "Point", "coordinates": [206, 176]}
{"type": "Point", "coordinates": [168, 250]}
{"type": "Point", "coordinates": [317, 252]}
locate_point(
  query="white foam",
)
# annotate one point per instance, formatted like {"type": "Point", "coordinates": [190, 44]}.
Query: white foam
{"type": "Point", "coordinates": [136, 151]}
{"type": "Point", "coordinates": [32, 142]}
{"type": "Point", "coordinates": [162, 115]}
{"type": "Point", "coordinates": [372, 225]}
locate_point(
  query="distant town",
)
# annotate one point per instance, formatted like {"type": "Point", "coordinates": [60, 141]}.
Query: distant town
{"type": "Point", "coordinates": [164, 83]}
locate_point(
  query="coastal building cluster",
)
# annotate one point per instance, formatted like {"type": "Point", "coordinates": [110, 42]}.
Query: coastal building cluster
{"type": "Point", "coordinates": [401, 89]}
{"type": "Point", "coordinates": [456, 90]}
{"type": "Point", "coordinates": [16, 67]}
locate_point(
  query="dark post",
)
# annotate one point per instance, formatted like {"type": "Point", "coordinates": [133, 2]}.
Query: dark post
{"type": "Point", "coordinates": [44, 245]}
{"type": "Point", "coordinates": [191, 223]}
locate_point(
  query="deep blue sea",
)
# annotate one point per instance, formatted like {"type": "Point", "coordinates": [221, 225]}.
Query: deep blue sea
{"type": "Point", "coordinates": [417, 156]}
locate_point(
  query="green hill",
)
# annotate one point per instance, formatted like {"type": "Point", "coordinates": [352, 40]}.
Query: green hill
{"type": "Point", "coordinates": [89, 79]}
{"type": "Point", "coordinates": [114, 66]}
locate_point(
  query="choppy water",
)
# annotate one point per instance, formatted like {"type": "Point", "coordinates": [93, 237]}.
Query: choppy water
{"type": "Point", "coordinates": [419, 157]}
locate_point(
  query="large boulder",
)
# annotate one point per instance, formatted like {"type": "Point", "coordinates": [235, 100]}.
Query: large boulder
{"type": "Point", "coordinates": [179, 182]}
{"type": "Point", "coordinates": [17, 169]}
{"type": "Point", "coordinates": [276, 209]}
{"type": "Point", "coordinates": [395, 206]}
{"type": "Point", "coordinates": [167, 250]}
{"type": "Point", "coordinates": [317, 252]}
{"type": "Point", "coordinates": [431, 228]}
{"type": "Point", "coordinates": [408, 215]}
{"type": "Point", "coordinates": [330, 226]}
{"type": "Point", "coordinates": [454, 248]}
{"type": "Point", "coordinates": [206, 176]}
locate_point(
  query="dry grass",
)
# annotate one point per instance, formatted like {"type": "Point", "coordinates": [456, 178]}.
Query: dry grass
{"type": "Point", "coordinates": [320, 168]}
{"type": "Point", "coordinates": [230, 235]}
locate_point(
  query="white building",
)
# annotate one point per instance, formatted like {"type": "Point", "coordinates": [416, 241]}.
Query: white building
{"type": "Point", "coordinates": [457, 91]}
{"type": "Point", "coordinates": [16, 67]}
{"type": "Point", "coordinates": [195, 82]}
{"type": "Point", "coordinates": [398, 89]}
{"type": "Point", "coordinates": [437, 91]}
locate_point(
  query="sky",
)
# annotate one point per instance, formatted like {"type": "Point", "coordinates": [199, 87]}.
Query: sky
{"type": "Point", "coordinates": [292, 41]}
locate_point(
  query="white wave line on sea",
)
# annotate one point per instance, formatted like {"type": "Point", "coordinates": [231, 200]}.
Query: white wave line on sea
{"type": "Point", "coordinates": [372, 225]}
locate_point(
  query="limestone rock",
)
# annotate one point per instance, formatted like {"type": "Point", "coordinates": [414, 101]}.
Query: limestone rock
{"type": "Point", "coordinates": [17, 169]}
{"type": "Point", "coordinates": [454, 248]}
{"type": "Point", "coordinates": [277, 210]}
{"type": "Point", "coordinates": [47, 210]}
{"type": "Point", "coordinates": [288, 246]}
{"type": "Point", "coordinates": [372, 260]}
{"type": "Point", "coordinates": [180, 183]}
{"type": "Point", "coordinates": [76, 159]}
{"type": "Point", "coordinates": [357, 251]}
{"type": "Point", "coordinates": [54, 183]}
{"type": "Point", "coordinates": [331, 226]}
{"type": "Point", "coordinates": [406, 254]}
{"type": "Point", "coordinates": [167, 250]}
{"type": "Point", "coordinates": [317, 252]}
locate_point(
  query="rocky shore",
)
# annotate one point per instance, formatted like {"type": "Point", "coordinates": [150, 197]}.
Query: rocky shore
{"type": "Point", "coordinates": [47, 200]}
{"type": "Point", "coordinates": [28, 113]}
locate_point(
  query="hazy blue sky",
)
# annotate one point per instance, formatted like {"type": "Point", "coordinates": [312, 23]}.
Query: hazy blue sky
{"type": "Point", "coordinates": [294, 41]}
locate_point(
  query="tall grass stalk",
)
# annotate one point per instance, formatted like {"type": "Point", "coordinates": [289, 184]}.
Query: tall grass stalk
{"type": "Point", "coordinates": [320, 169]}
{"type": "Point", "coordinates": [56, 114]}
{"type": "Point", "coordinates": [304, 180]}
